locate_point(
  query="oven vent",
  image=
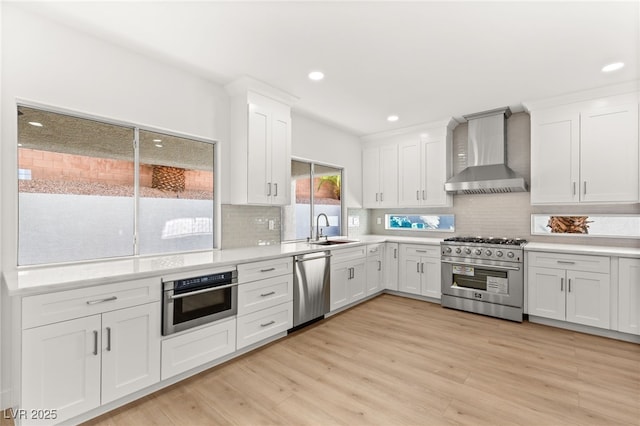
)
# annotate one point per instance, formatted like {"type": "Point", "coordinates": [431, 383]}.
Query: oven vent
{"type": "Point", "coordinates": [486, 191]}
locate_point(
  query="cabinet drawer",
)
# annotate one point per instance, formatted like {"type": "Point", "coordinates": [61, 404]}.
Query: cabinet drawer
{"type": "Point", "coordinates": [269, 268]}
{"type": "Point", "coordinates": [191, 350]}
{"type": "Point", "coordinates": [420, 250]}
{"type": "Point", "coordinates": [263, 294]}
{"type": "Point", "coordinates": [263, 324]}
{"type": "Point", "coordinates": [348, 254]}
{"type": "Point", "coordinates": [578, 262]}
{"type": "Point", "coordinates": [374, 250]}
{"type": "Point", "coordinates": [64, 305]}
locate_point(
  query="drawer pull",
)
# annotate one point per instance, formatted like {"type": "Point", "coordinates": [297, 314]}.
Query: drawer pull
{"type": "Point", "coordinates": [268, 323]}
{"type": "Point", "coordinates": [421, 251]}
{"type": "Point", "coordinates": [561, 284]}
{"type": "Point", "coordinates": [267, 294]}
{"type": "Point", "coordinates": [566, 262]}
{"type": "Point", "coordinates": [108, 299]}
{"type": "Point", "coordinates": [267, 270]}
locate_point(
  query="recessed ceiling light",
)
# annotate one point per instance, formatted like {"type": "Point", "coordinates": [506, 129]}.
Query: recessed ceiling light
{"type": "Point", "coordinates": [157, 140]}
{"type": "Point", "coordinates": [613, 67]}
{"type": "Point", "coordinates": [393, 118]}
{"type": "Point", "coordinates": [35, 123]}
{"type": "Point", "coordinates": [159, 145]}
{"type": "Point", "coordinates": [19, 144]}
{"type": "Point", "coordinates": [316, 75]}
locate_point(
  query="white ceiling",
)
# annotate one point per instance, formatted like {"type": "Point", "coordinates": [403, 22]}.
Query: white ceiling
{"type": "Point", "coordinates": [423, 61]}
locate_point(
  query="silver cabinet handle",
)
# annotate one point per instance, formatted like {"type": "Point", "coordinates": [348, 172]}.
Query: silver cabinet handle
{"type": "Point", "coordinates": [395, 253]}
{"type": "Point", "coordinates": [268, 323]}
{"type": "Point", "coordinates": [267, 270]}
{"type": "Point", "coordinates": [268, 189]}
{"type": "Point", "coordinates": [585, 187]}
{"type": "Point", "coordinates": [267, 294]}
{"type": "Point", "coordinates": [108, 299]}
{"type": "Point", "coordinates": [418, 195]}
{"type": "Point", "coordinates": [566, 262]}
{"type": "Point", "coordinates": [108, 339]}
{"type": "Point", "coordinates": [205, 290]}
{"type": "Point", "coordinates": [376, 197]}
{"type": "Point", "coordinates": [423, 196]}
{"type": "Point", "coordinates": [574, 188]}
{"type": "Point", "coordinates": [95, 342]}
{"type": "Point", "coordinates": [561, 284]}
{"type": "Point", "coordinates": [418, 267]}
{"type": "Point", "coordinates": [422, 268]}
{"type": "Point", "coordinates": [381, 197]}
{"type": "Point", "coordinates": [379, 265]}
{"type": "Point", "coordinates": [569, 286]}
{"type": "Point", "coordinates": [421, 251]}
{"type": "Point", "coordinates": [275, 185]}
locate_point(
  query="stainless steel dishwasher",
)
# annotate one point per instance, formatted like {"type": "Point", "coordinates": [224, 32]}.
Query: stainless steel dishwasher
{"type": "Point", "coordinates": [311, 287]}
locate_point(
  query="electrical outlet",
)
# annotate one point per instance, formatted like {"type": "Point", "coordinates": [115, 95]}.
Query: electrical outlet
{"type": "Point", "coordinates": [272, 224]}
{"type": "Point", "coordinates": [354, 221]}
{"type": "Point", "coordinates": [379, 220]}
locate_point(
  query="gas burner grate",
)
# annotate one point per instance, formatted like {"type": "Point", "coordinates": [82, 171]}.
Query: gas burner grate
{"type": "Point", "coordinates": [488, 240]}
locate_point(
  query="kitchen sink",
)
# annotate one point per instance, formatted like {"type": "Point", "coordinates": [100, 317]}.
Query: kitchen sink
{"type": "Point", "coordinates": [332, 242]}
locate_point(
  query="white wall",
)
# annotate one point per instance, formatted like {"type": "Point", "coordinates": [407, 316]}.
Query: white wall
{"type": "Point", "coordinates": [54, 65]}
{"type": "Point", "coordinates": [320, 142]}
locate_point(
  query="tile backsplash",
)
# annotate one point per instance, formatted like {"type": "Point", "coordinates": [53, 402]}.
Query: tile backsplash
{"type": "Point", "coordinates": [246, 226]}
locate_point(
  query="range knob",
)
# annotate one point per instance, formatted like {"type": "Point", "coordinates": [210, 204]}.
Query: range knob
{"type": "Point", "coordinates": [467, 250]}
{"type": "Point", "coordinates": [510, 255]}
{"type": "Point", "coordinates": [499, 253]}
{"type": "Point", "coordinates": [478, 252]}
{"type": "Point", "coordinates": [448, 250]}
{"type": "Point", "coordinates": [458, 250]}
{"type": "Point", "coordinates": [488, 252]}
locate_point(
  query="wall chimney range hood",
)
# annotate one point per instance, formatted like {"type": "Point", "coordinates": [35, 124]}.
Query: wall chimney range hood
{"type": "Point", "coordinates": [487, 172]}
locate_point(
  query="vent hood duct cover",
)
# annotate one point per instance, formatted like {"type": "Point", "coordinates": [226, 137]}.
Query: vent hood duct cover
{"type": "Point", "coordinates": [487, 172]}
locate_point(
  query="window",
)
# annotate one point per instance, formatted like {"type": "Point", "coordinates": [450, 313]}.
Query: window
{"type": "Point", "coordinates": [82, 197]}
{"type": "Point", "coordinates": [418, 222]}
{"type": "Point", "coordinates": [317, 189]}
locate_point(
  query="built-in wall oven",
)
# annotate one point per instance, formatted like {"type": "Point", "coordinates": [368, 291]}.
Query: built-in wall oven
{"type": "Point", "coordinates": [193, 301]}
{"type": "Point", "coordinates": [484, 275]}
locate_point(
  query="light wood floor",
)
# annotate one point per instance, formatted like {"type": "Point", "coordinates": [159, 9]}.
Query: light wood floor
{"type": "Point", "coordinates": [397, 361]}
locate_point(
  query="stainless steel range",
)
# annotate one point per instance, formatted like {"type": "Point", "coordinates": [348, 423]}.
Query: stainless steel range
{"type": "Point", "coordinates": [484, 275]}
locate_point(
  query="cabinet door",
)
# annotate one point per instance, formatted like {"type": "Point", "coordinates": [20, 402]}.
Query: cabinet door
{"type": "Point", "coordinates": [546, 291]}
{"type": "Point", "coordinates": [555, 156]}
{"type": "Point", "coordinates": [431, 271]}
{"type": "Point", "coordinates": [410, 276]}
{"type": "Point", "coordinates": [434, 173]}
{"type": "Point", "coordinates": [388, 176]}
{"type": "Point", "coordinates": [391, 266]}
{"type": "Point", "coordinates": [409, 173]}
{"type": "Point", "coordinates": [609, 154]}
{"type": "Point", "coordinates": [374, 274]}
{"type": "Point", "coordinates": [340, 275]}
{"type": "Point", "coordinates": [357, 285]}
{"type": "Point", "coordinates": [61, 367]}
{"type": "Point", "coordinates": [629, 296]}
{"type": "Point", "coordinates": [130, 350]}
{"type": "Point", "coordinates": [259, 155]}
{"type": "Point", "coordinates": [280, 159]}
{"type": "Point", "coordinates": [588, 298]}
{"type": "Point", "coordinates": [371, 177]}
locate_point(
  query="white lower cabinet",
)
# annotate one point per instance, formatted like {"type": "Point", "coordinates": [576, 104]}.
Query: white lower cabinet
{"type": "Point", "coordinates": [391, 257]}
{"type": "Point", "coordinates": [375, 269]}
{"type": "Point", "coordinates": [192, 349]}
{"type": "Point", "coordinates": [629, 296]}
{"type": "Point", "coordinates": [265, 300]}
{"type": "Point", "coordinates": [570, 288]}
{"type": "Point", "coordinates": [76, 365]}
{"type": "Point", "coordinates": [348, 276]}
{"type": "Point", "coordinates": [419, 270]}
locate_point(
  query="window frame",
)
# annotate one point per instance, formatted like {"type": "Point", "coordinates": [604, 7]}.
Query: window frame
{"type": "Point", "coordinates": [136, 128]}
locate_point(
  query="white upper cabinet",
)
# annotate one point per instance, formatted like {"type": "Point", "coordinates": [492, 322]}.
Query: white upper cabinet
{"type": "Point", "coordinates": [380, 176]}
{"type": "Point", "coordinates": [411, 164]}
{"type": "Point", "coordinates": [585, 152]}
{"type": "Point", "coordinates": [260, 144]}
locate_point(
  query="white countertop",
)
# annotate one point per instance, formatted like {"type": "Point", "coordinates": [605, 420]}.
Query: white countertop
{"type": "Point", "coordinates": [43, 279]}
{"type": "Point", "coordinates": [584, 249]}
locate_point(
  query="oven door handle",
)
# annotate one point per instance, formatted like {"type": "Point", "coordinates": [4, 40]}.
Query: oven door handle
{"type": "Point", "coordinates": [204, 290]}
{"type": "Point", "coordinates": [504, 268]}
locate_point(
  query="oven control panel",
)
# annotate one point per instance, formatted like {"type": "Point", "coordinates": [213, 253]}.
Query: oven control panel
{"type": "Point", "coordinates": [502, 254]}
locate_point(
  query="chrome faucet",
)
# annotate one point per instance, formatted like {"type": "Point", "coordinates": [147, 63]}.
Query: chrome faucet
{"type": "Point", "coordinates": [318, 229]}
